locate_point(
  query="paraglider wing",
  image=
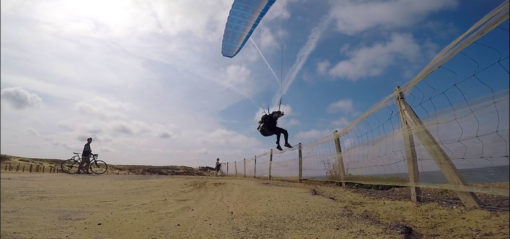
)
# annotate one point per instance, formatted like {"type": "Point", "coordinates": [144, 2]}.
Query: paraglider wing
{"type": "Point", "coordinates": [243, 18]}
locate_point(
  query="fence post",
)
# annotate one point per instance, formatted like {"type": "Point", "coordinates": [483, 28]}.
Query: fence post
{"type": "Point", "coordinates": [227, 168]}
{"type": "Point", "coordinates": [235, 166]}
{"type": "Point", "coordinates": [412, 164]}
{"type": "Point", "coordinates": [23, 170]}
{"type": "Point", "coordinates": [255, 168]}
{"type": "Point", "coordinates": [440, 157]}
{"type": "Point", "coordinates": [270, 162]}
{"type": "Point", "coordinates": [17, 168]}
{"type": "Point", "coordinates": [43, 168]}
{"type": "Point", "coordinates": [339, 158]}
{"type": "Point", "coordinates": [6, 167]}
{"type": "Point", "coordinates": [244, 167]}
{"type": "Point", "coordinates": [300, 164]}
{"type": "Point", "coordinates": [30, 168]}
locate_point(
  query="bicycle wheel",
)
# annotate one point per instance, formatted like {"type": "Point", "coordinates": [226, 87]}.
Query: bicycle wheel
{"type": "Point", "coordinates": [98, 166]}
{"type": "Point", "coordinates": [70, 166]}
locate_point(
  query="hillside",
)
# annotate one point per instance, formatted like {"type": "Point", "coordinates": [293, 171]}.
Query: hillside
{"type": "Point", "coordinates": [17, 163]}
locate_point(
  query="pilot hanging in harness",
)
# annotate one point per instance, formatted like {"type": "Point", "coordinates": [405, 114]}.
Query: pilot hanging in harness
{"type": "Point", "coordinates": [267, 127]}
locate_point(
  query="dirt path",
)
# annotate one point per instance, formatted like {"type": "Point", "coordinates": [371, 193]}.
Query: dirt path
{"type": "Point", "coordinates": [130, 206]}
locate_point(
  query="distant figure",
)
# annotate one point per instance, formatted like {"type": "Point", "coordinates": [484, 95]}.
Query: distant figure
{"type": "Point", "coordinates": [85, 157]}
{"type": "Point", "coordinates": [267, 127]}
{"type": "Point", "coordinates": [218, 166]}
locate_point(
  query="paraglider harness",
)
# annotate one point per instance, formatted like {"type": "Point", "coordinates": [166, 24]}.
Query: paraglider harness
{"type": "Point", "coordinates": [267, 123]}
{"type": "Point", "coordinates": [264, 123]}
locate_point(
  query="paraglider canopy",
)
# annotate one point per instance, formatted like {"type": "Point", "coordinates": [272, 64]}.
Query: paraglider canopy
{"type": "Point", "coordinates": [243, 18]}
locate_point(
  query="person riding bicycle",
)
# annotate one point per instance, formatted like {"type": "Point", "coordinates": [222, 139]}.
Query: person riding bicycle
{"type": "Point", "coordinates": [85, 157]}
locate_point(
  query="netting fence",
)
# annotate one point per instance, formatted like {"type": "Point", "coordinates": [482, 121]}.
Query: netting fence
{"type": "Point", "coordinates": [447, 128]}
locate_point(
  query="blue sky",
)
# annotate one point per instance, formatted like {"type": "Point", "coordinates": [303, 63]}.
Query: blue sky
{"type": "Point", "coordinates": [147, 80]}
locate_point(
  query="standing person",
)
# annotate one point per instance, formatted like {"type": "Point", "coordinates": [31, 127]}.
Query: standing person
{"type": "Point", "coordinates": [85, 157]}
{"type": "Point", "coordinates": [267, 127]}
{"type": "Point", "coordinates": [218, 166]}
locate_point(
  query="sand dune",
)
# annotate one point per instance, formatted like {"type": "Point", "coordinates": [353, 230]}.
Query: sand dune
{"type": "Point", "coordinates": [133, 206]}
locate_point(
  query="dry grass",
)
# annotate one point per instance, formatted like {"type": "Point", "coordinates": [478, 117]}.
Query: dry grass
{"type": "Point", "coordinates": [14, 161]}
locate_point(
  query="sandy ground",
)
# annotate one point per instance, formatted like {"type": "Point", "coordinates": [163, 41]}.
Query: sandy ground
{"type": "Point", "coordinates": [133, 206]}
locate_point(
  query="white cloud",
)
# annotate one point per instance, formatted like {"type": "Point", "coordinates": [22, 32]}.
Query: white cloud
{"type": "Point", "coordinates": [20, 98]}
{"type": "Point", "coordinates": [312, 134]}
{"type": "Point", "coordinates": [340, 123]}
{"type": "Point", "coordinates": [238, 79]}
{"type": "Point", "coordinates": [102, 108]}
{"type": "Point", "coordinates": [31, 132]}
{"type": "Point", "coordinates": [323, 66]}
{"type": "Point", "coordinates": [293, 122]}
{"type": "Point", "coordinates": [373, 60]}
{"type": "Point", "coordinates": [227, 138]}
{"type": "Point", "coordinates": [267, 39]}
{"type": "Point", "coordinates": [165, 135]}
{"type": "Point", "coordinates": [123, 128]}
{"type": "Point", "coordinates": [340, 106]}
{"type": "Point", "coordinates": [237, 76]}
{"type": "Point", "coordinates": [303, 54]}
{"type": "Point", "coordinates": [356, 16]}
{"type": "Point", "coordinates": [120, 18]}
{"type": "Point", "coordinates": [279, 10]}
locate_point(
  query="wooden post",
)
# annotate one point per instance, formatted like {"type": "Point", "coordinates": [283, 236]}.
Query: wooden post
{"type": "Point", "coordinates": [244, 167]}
{"type": "Point", "coordinates": [270, 162]}
{"type": "Point", "coordinates": [30, 168]}
{"type": "Point", "coordinates": [43, 168]}
{"type": "Point", "coordinates": [440, 157]}
{"type": "Point", "coordinates": [300, 179]}
{"type": "Point", "coordinates": [23, 170]}
{"type": "Point", "coordinates": [412, 162]}
{"type": "Point", "coordinates": [6, 167]}
{"type": "Point", "coordinates": [17, 168]}
{"type": "Point", "coordinates": [235, 166]}
{"type": "Point", "coordinates": [339, 158]}
{"type": "Point", "coordinates": [227, 168]}
{"type": "Point", "coordinates": [255, 167]}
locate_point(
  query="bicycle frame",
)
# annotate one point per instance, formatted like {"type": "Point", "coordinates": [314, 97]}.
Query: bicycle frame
{"type": "Point", "coordinates": [78, 158]}
{"type": "Point", "coordinates": [74, 161]}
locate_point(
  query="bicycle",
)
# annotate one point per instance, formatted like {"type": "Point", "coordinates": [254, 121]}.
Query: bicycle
{"type": "Point", "coordinates": [96, 166]}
